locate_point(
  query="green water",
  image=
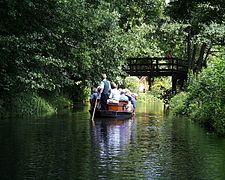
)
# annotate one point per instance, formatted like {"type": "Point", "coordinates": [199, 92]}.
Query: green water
{"type": "Point", "coordinates": [68, 146]}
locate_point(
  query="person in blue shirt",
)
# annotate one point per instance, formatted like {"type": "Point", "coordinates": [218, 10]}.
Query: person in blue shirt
{"type": "Point", "coordinates": [94, 96]}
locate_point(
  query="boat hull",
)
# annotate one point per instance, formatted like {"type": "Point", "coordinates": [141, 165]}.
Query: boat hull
{"type": "Point", "coordinates": [118, 115]}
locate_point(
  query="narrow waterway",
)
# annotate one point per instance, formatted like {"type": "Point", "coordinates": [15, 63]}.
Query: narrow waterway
{"type": "Point", "coordinates": [68, 146]}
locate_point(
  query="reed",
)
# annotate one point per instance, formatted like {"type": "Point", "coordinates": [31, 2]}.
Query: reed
{"type": "Point", "coordinates": [29, 104]}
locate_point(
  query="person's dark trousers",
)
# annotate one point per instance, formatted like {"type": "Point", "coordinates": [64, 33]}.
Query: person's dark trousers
{"type": "Point", "coordinates": [104, 98]}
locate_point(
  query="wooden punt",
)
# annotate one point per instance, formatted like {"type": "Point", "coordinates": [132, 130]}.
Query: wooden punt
{"type": "Point", "coordinates": [115, 111]}
{"type": "Point", "coordinates": [118, 115]}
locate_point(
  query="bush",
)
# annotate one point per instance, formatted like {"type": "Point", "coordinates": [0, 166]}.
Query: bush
{"type": "Point", "coordinates": [205, 101]}
{"type": "Point", "coordinates": [147, 97]}
{"type": "Point", "coordinates": [59, 102]}
{"type": "Point", "coordinates": [80, 93]}
{"type": "Point", "coordinates": [132, 83]}
{"type": "Point", "coordinates": [162, 89]}
{"type": "Point", "coordinates": [29, 104]}
{"type": "Point", "coordinates": [178, 104]}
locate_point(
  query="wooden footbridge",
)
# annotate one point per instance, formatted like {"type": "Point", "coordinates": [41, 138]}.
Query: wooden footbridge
{"type": "Point", "coordinates": [159, 66]}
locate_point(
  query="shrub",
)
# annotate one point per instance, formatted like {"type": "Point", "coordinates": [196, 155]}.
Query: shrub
{"type": "Point", "coordinates": [29, 104]}
{"type": "Point", "coordinates": [59, 102]}
{"type": "Point", "coordinates": [132, 83]}
{"type": "Point", "coordinates": [205, 100]}
{"type": "Point", "coordinates": [178, 104]}
{"type": "Point", "coordinates": [147, 97]}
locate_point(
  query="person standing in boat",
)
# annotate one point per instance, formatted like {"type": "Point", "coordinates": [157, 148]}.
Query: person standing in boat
{"type": "Point", "coordinates": [105, 89]}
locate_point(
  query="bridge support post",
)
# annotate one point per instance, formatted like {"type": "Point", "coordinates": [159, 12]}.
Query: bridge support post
{"type": "Point", "coordinates": [174, 84]}
{"type": "Point", "coordinates": [150, 82]}
{"type": "Point", "coordinates": [181, 82]}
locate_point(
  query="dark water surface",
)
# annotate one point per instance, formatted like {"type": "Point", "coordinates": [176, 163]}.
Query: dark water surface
{"type": "Point", "coordinates": [68, 146]}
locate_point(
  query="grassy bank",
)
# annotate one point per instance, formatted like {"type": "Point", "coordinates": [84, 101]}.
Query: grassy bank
{"type": "Point", "coordinates": [30, 103]}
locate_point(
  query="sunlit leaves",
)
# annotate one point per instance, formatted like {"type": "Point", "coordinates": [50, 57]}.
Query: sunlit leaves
{"type": "Point", "coordinates": [207, 96]}
{"type": "Point", "coordinates": [73, 41]}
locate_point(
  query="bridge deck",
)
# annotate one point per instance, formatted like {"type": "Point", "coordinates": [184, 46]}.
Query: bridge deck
{"type": "Point", "coordinates": [157, 67]}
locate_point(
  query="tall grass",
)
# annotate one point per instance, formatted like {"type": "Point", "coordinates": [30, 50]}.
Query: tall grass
{"type": "Point", "coordinates": [59, 102]}
{"type": "Point", "coordinates": [29, 104]}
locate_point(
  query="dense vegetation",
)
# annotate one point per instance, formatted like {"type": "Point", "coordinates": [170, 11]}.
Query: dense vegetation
{"type": "Point", "coordinates": [53, 51]}
{"type": "Point", "coordinates": [60, 48]}
{"type": "Point", "coordinates": [204, 101]}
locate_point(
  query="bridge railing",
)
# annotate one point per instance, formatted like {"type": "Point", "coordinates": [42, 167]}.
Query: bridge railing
{"type": "Point", "coordinates": [156, 66]}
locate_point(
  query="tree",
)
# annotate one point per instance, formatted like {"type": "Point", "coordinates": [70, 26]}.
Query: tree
{"type": "Point", "coordinates": [60, 45]}
{"type": "Point", "coordinates": [205, 22]}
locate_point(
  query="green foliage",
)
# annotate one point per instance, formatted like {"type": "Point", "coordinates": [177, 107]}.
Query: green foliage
{"type": "Point", "coordinates": [133, 13]}
{"type": "Point", "coordinates": [58, 102]}
{"type": "Point", "coordinates": [208, 91]}
{"type": "Point", "coordinates": [170, 36]}
{"type": "Point", "coordinates": [65, 46]}
{"type": "Point", "coordinates": [2, 109]}
{"type": "Point", "coordinates": [132, 83]}
{"type": "Point", "coordinates": [162, 89]}
{"type": "Point", "coordinates": [202, 29]}
{"type": "Point", "coordinates": [28, 16]}
{"type": "Point", "coordinates": [81, 93]}
{"type": "Point", "coordinates": [194, 12]}
{"type": "Point", "coordinates": [29, 104]}
{"type": "Point", "coordinates": [147, 97]}
{"type": "Point", "coordinates": [205, 102]}
{"type": "Point", "coordinates": [177, 104]}
{"type": "Point", "coordinates": [65, 42]}
{"type": "Point", "coordinates": [160, 84]}
{"type": "Point", "coordinates": [61, 102]}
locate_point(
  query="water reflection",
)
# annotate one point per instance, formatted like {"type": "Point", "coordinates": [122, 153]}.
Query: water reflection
{"type": "Point", "coordinates": [111, 137]}
{"type": "Point", "coordinates": [150, 146]}
{"type": "Point", "coordinates": [153, 146]}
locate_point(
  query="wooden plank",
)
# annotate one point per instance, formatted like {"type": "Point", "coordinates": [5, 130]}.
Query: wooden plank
{"type": "Point", "coordinates": [157, 66]}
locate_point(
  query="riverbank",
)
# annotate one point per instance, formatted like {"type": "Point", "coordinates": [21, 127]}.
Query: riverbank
{"type": "Point", "coordinates": [204, 101]}
{"type": "Point", "coordinates": [32, 104]}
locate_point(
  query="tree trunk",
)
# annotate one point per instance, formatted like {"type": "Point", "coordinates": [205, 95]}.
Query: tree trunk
{"type": "Point", "coordinates": [193, 58]}
{"type": "Point", "coordinates": [201, 56]}
{"type": "Point", "coordinates": [206, 56]}
{"type": "Point", "coordinates": [189, 47]}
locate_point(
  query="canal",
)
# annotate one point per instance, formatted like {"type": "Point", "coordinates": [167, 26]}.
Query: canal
{"type": "Point", "coordinates": [67, 146]}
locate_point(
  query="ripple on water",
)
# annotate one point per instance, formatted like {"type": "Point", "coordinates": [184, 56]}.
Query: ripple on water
{"type": "Point", "coordinates": [69, 146]}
